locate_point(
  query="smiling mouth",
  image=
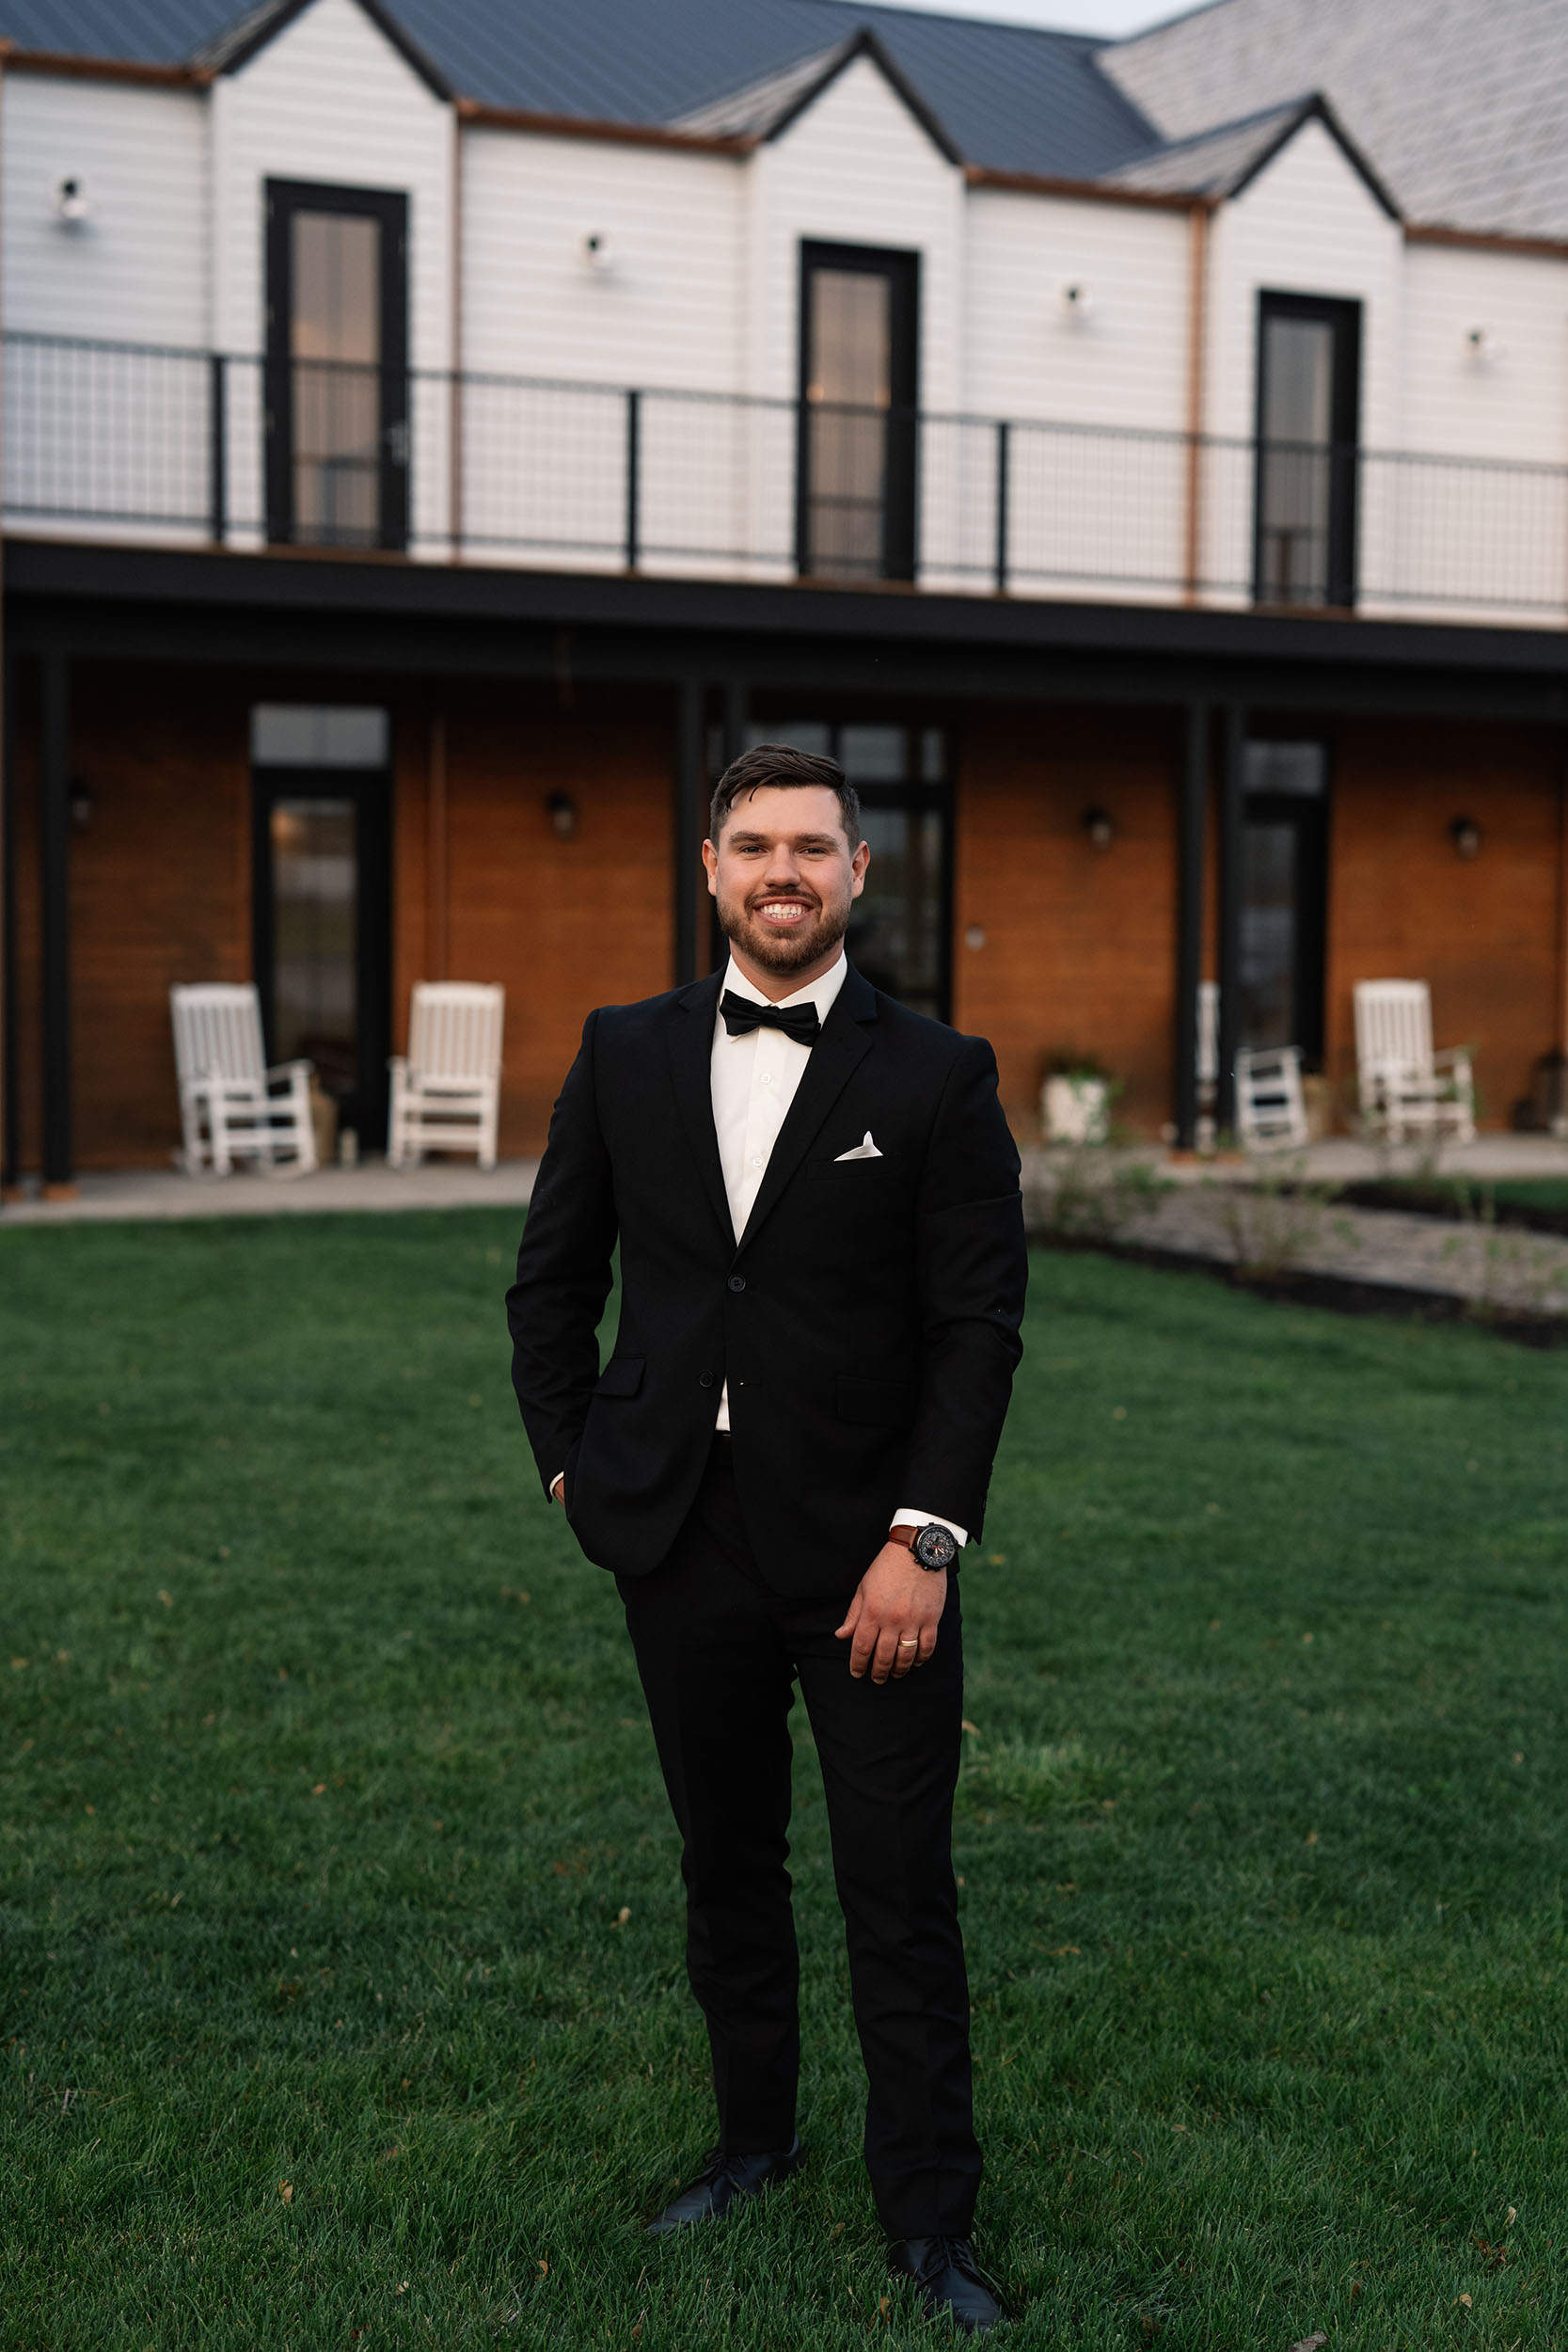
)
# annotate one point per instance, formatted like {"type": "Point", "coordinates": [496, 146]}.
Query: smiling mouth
{"type": "Point", "coordinates": [783, 912]}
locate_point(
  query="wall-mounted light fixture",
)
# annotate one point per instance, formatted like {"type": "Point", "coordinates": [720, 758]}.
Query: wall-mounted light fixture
{"type": "Point", "coordinates": [70, 200]}
{"type": "Point", "coordinates": [563, 812]}
{"type": "Point", "coordinates": [81, 804]}
{"type": "Point", "coordinates": [598, 253]}
{"type": "Point", "coordinates": [1481, 347]}
{"type": "Point", "coordinates": [1099, 826]}
{"type": "Point", "coordinates": [1465, 835]}
{"type": "Point", "coordinates": [1077, 300]}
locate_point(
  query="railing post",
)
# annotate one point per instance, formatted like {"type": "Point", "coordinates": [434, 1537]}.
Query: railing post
{"type": "Point", "coordinates": [1003, 434]}
{"type": "Point", "coordinates": [634, 456]}
{"type": "Point", "coordinates": [217, 446]}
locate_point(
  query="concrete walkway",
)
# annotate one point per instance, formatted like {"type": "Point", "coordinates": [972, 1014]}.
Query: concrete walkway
{"type": "Point", "coordinates": [163, 1195]}
{"type": "Point", "coordinates": [1216, 1211]}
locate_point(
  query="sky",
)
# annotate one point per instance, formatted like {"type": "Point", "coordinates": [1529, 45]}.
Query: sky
{"type": "Point", "coordinates": [1107, 17]}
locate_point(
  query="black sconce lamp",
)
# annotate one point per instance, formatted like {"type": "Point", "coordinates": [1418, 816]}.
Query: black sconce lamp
{"type": "Point", "coordinates": [82, 805]}
{"type": "Point", "coordinates": [563, 812]}
{"type": "Point", "coordinates": [1099, 826]}
{"type": "Point", "coordinates": [1465, 835]}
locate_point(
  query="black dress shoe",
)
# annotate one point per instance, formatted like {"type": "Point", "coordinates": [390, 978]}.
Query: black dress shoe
{"type": "Point", "coordinates": [946, 2271]}
{"type": "Point", "coordinates": [722, 2181]}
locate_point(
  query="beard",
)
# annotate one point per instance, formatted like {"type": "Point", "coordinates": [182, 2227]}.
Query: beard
{"type": "Point", "coordinates": [783, 952]}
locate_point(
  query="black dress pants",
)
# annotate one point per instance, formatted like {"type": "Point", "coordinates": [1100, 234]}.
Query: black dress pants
{"type": "Point", "coordinates": [718, 1653]}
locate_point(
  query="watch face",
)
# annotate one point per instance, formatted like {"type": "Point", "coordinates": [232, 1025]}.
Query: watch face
{"type": "Point", "coordinates": [934, 1548]}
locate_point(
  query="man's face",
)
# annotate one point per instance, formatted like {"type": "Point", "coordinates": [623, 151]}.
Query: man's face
{"type": "Point", "coordinates": [785, 877]}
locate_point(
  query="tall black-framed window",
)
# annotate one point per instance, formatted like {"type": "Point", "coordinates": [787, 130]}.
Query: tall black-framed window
{"type": "Point", "coordinates": [337, 366]}
{"type": "Point", "coordinates": [321, 802]}
{"type": "Point", "coordinates": [1284, 899]}
{"type": "Point", "coordinates": [901, 931]}
{"type": "Point", "coordinates": [1308, 424]}
{"type": "Point", "coordinates": [859, 396]}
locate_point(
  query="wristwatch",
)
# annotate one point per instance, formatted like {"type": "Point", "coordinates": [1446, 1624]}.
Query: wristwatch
{"type": "Point", "coordinates": [934, 1545]}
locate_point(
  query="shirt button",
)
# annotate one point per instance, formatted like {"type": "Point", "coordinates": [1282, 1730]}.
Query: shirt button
{"type": "Point", "coordinates": [757, 1159]}
{"type": "Point", "coordinates": [705, 1379]}
{"type": "Point", "coordinates": [768, 1078]}
{"type": "Point", "coordinates": [737, 1281]}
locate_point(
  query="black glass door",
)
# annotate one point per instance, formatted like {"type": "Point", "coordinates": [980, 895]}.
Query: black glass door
{"type": "Point", "coordinates": [336, 367]}
{"type": "Point", "coordinates": [901, 925]}
{"type": "Point", "coordinates": [858, 397]}
{"type": "Point", "coordinates": [322, 932]}
{"type": "Point", "coordinates": [1308, 378]}
{"type": "Point", "coordinates": [1283, 911]}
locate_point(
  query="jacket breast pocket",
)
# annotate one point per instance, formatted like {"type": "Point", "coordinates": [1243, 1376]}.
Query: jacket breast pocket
{"type": "Point", "coordinates": [876, 1404]}
{"type": "Point", "coordinates": [621, 1376]}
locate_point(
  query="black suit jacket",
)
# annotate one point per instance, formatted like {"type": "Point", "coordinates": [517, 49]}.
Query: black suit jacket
{"type": "Point", "coordinates": [868, 1320]}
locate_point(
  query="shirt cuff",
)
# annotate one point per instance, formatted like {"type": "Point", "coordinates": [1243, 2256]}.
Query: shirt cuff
{"type": "Point", "coordinates": [559, 1480]}
{"type": "Point", "coordinates": [929, 1518]}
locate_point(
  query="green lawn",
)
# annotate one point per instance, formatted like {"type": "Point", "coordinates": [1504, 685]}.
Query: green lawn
{"type": "Point", "coordinates": [1535, 1200]}
{"type": "Point", "coordinates": [340, 1980]}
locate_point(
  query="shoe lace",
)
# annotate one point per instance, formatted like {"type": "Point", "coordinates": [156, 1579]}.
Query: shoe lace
{"type": "Point", "coordinates": [952, 2253]}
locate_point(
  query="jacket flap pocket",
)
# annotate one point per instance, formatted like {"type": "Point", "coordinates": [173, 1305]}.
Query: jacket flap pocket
{"type": "Point", "coordinates": [876, 1404]}
{"type": "Point", "coordinates": [621, 1376]}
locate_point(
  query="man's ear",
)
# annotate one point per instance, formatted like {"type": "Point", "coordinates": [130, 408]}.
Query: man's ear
{"type": "Point", "coordinates": [710, 861]}
{"type": "Point", "coordinates": [858, 864]}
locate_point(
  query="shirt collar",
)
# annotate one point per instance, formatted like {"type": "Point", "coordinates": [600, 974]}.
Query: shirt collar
{"type": "Point", "coordinates": [823, 992]}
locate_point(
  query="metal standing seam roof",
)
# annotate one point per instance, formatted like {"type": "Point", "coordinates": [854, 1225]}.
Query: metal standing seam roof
{"type": "Point", "coordinates": [1010, 96]}
{"type": "Point", "coordinates": [1457, 106]}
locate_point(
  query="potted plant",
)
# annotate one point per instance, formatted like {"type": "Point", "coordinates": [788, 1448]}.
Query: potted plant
{"type": "Point", "coordinates": [1076, 1101]}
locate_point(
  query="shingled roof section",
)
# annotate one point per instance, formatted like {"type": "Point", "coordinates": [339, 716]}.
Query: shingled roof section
{"type": "Point", "coordinates": [1459, 103]}
{"type": "Point", "coordinates": [1221, 163]}
{"type": "Point", "coordinates": [1008, 96]}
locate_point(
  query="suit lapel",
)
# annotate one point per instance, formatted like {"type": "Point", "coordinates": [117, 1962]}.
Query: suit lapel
{"type": "Point", "coordinates": [844, 1042]}
{"type": "Point", "coordinates": [691, 1042]}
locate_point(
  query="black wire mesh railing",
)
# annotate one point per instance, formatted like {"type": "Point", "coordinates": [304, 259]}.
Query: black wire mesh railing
{"type": "Point", "coordinates": [150, 443]}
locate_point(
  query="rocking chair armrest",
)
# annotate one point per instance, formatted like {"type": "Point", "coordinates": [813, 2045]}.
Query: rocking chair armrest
{"type": "Point", "coordinates": [290, 1071]}
{"type": "Point", "coordinates": [1455, 1057]}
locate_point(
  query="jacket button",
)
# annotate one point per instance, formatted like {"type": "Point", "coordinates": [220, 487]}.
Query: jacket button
{"type": "Point", "coordinates": [705, 1379]}
{"type": "Point", "coordinates": [737, 1281]}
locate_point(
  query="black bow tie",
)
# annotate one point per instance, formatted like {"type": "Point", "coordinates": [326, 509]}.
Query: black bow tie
{"type": "Point", "coordinates": [797, 1021]}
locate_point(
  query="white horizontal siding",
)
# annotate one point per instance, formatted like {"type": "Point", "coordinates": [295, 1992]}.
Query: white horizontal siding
{"type": "Point", "coordinates": [1122, 362]}
{"type": "Point", "coordinates": [669, 308]}
{"type": "Point", "coordinates": [1512, 400]}
{"type": "Point", "coordinates": [137, 268]}
{"type": "Point", "coordinates": [330, 99]}
{"type": "Point", "coordinates": [856, 168]}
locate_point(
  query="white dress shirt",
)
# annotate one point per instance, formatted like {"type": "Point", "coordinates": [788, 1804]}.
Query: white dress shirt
{"type": "Point", "coordinates": [754, 1080]}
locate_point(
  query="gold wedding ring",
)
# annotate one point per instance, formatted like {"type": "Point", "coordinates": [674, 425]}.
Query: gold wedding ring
{"type": "Point", "coordinates": [910, 1641]}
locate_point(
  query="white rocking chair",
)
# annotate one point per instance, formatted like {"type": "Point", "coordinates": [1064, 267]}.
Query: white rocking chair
{"type": "Point", "coordinates": [1407, 1090]}
{"type": "Point", "coordinates": [446, 1090]}
{"type": "Point", "coordinates": [1270, 1108]}
{"type": "Point", "coordinates": [231, 1105]}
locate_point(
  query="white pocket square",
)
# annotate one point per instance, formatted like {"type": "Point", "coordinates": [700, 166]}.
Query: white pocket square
{"type": "Point", "coordinates": [866, 1151]}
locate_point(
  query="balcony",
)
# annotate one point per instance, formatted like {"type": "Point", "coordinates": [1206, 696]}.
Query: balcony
{"type": "Point", "coordinates": [147, 445]}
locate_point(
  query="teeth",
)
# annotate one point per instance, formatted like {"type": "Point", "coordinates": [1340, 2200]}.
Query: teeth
{"type": "Point", "coordinates": [784, 910]}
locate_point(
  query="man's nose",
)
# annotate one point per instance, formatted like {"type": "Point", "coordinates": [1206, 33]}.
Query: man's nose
{"type": "Point", "coordinates": [784, 872]}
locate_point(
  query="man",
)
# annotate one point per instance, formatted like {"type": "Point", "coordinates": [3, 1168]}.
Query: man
{"type": "Point", "coordinates": [822, 1269]}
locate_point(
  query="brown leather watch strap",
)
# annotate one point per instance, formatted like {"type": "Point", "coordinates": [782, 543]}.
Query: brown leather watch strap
{"type": "Point", "coordinates": [903, 1535]}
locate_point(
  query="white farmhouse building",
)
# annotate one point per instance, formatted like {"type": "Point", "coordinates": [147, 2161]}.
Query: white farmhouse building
{"type": "Point", "coordinates": [432, 440]}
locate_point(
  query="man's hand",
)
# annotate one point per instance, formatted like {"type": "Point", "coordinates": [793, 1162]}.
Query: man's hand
{"type": "Point", "coordinates": [891, 1624]}
{"type": "Point", "coordinates": [558, 1488]}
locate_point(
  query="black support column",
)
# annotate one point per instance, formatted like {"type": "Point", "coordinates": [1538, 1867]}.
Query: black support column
{"type": "Point", "coordinates": [55, 877]}
{"type": "Point", "coordinates": [1191, 843]}
{"type": "Point", "coordinates": [691, 772]}
{"type": "Point", "coordinates": [1232, 777]}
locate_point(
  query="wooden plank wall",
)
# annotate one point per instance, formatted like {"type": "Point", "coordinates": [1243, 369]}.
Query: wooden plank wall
{"type": "Point", "coordinates": [1484, 932]}
{"type": "Point", "coordinates": [1079, 945]}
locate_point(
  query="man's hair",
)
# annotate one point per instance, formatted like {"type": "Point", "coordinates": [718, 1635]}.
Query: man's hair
{"type": "Point", "coordinates": [783, 767]}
